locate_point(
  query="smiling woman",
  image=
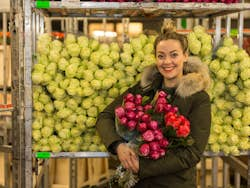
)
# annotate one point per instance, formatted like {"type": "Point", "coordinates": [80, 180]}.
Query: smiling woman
{"type": "Point", "coordinates": [185, 79]}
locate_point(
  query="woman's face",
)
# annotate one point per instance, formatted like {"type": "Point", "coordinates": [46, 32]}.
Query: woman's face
{"type": "Point", "coordinates": [170, 58]}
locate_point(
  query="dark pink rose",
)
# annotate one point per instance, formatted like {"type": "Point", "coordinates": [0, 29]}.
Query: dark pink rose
{"type": "Point", "coordinates": [167, 107]}
{"type": "Point", "coordinates": [139, 108]}
{"type": "Point", "coordinates": [139, 115]}
{"type": "Point", "coordinates": [142, 127]}
{"type": "Point", "coordinates": [154, 155]}
{"type": "Point", "coordinates": [130, 106]}
{"type": "Point", "coordinates": [158, 134]}
{"type": "Point", "coordinates": [154, 146]}
{"type": "Point", "coordinates": [148, 107]}
{"type": "Point", "coordinates": [129, 98]}
{"type": "Point", "coordinates": [162, 100]}
{"type": "Point", "coordinates": [162, 94]}
{"type": "Point", "coordinates": [123, 120]}
{"type": "Point", "coordinates": [183, 131]}
{"type": "Point", "coordinates": [130, 115]}
{"type": "Point", "coordinates": [163, 143]}
{"type": "Point", "coordinates": [144, 150]}
{"type": "Point", "coordinates": [120, 112]}
{"type": "Point", "coordinates": [153, 125]}
{"type": "Point", "coordinates": [146, 118]}
{"type": "Point", "coordinates": [160, 107]}
{"type": "Point", "coordinates": [138, 99]}
{"type": "Point", "coordinates": [131, 125]}
{"type": "Point", "coordinates": [174, 109]}
{"type": "Point", "coordinates": [162, 152]}
{"type": "Point", "coordinates": [148, 136]}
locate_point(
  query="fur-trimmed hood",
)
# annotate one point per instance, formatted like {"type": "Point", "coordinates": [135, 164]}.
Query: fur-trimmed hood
{"type": "Point", "coordinates": [195, 77]}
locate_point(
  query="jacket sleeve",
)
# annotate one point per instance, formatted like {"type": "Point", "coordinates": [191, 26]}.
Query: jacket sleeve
{"type": "Point", "coordinates": [105, 123]}
{"type": "Point", "coordinates": [184, 158]}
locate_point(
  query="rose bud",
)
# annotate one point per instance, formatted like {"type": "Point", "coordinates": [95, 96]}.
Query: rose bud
{"type": "Point", "coordinates": [167, 107]}
{"type": "Point", "coordinates": [130, 106]}
{"type": "Point", "coordinates": [131, 125]}
{"type": "Point", "coordinates": [154, 146]}
{"type": "Point", "coordinates": [130, 115]}
{"type": "Point", "coordinates": [144, 150]}
{"type": "Point", "coordinates": [158, 134]}
{"type": "Point", "coordinates": [162, 152]}
{"type": "Point", "coordinates": [120, 112]}
{"type": "Point", "coordinates": [139, 115]}
{"type": "Point", "coordinates": [162, 101]}
{"type": "Point", "coordinates": [154, 155]}
{"type": "Point", "coordinates": [153, 125]}
{"type": "Point", "coordinates": [162, 94]}
{"type": "Point", "coordinates": [138, 99]}
{"type": "Point", "coordinates": [146, 118]}
{"type": "Point", "coordinates": [148, 107]}
{"type": "Point", "coordinates": [142, 127]}
{"type": "Point", "coordinates": [148, 136]}
{"type": "Point", "coordinates": [183, 131]}
{"type": "Point", "coordinates": [139, 108]}
{"type": "Point", "coordinates": [163, 143]}
{"type": "Point", "coordinates": [123, 120]}
{"type": "Point", "coordinates": [160, 107]}
{"type": "Point", "coordinates": [129, 97]}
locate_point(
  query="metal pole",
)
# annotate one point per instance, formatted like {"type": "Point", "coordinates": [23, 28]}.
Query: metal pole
{"type": "Point", "coordinates": [240, 28]}
{"type": "Point", "coordinates": [217, 31]}
{"type": "Point", "coordinates": [28, 94]}
{"type": "Point", "coordinates": [73, 172]}
{"type": "Point", "coordinates": [225, 175]}
{"type": "Point", "coordinates": [5, 82]}
{"type": "Point", "coordinates": [85, 26]}
{"type": "Point", "coordinates": [214, 172]}
{"type": "Point", "coordinates": [228, 25]}
{"type": "Point", "coordinates": [125, 23]}
{"type": "Point", "coordinates": [237, 179]}
{"type": "Point", "coordinates": [203, 172]}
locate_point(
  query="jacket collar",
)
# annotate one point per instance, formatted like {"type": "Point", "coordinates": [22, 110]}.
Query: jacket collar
{"type": "Point", "coordinates": [196, 78]}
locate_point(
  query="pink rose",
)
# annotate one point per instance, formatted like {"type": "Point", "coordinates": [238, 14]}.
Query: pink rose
{"type": "Point", "coordinates": [129, 97]}
{"type": "Point", "coordinates": [144, 150]}
{"type": "Point", "coordinates": [139, 115]}
{"type": "Point", "coordinates": [138, 99]}
{"type": "Point", "coordinates": [154, 146]}
{"type": "Point", "coordinates": [162, 101]}
{"type": "Point", "coordinates": [174, 109]}
{"type": "Point", "coordinates": [167, 107]}
{"type": "Point", "coordinates": [130, 115]}
{"type": "Point", "coordinates": [142, 127]}
{"type": "Point", "coordinates": [123, 120]}
{"type": "Point", "coordinates": [120, 112]}
{"type": "Point", "coordinates": [183, 131]}
{"type": "Point", "coordinates": [162, 152]}
{"type": "Point", "coordinates": [139, 108]}
{"type": "Point", "coordinates": [153, 125]}
{"type": "Point", "coordinates": [130, 106]}
{"type": "Point", "coordinates": [162, 94]}
{"type": "Point", "coordinates": [148, 107]}
{"type": "Point", "coordinates": [160, 107]}
{"type": "Point", "coordinates": [131, 125]}
{"type": "Point", "coordinates": [163, 143]}
{"type": "Point", "coordinates": [146, 118]}
{"type": "Point", "coordinates": [158, 134]}
{"type": "Point", "coordinates": [154, 155]}
{"type": "Point", "coordinates": [148, 136]}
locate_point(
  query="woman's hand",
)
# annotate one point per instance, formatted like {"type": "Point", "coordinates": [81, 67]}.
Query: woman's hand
{"type": "Point", "coordinates": [128, 157]}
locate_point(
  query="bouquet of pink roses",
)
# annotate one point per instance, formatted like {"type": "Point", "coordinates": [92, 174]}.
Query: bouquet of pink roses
{"type": "Point", "coordinates": [150, 129]}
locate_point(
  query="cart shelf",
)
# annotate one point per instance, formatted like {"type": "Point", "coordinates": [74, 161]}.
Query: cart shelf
{"type": "Point", "coordinates": [133, 9]}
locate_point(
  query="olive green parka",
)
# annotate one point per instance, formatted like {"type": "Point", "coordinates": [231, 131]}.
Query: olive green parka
{"type": "Point", "coordinates": [177, 168]}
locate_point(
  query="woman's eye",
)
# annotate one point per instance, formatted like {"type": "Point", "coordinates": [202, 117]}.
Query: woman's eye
{"type": "Point", "coordinates": [174, 55]}
{"type": "Point", "coordinates": [159, 56]}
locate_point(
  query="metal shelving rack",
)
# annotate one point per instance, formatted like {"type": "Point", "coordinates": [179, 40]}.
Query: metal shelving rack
{"type": "Point", "coordinates": [28, 20]}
